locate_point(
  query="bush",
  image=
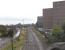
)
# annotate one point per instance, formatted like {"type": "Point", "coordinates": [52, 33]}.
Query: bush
{"type": "Point", "coordinates": [57, 34]}
{"type": "Point", "coordinates": [3, 30]}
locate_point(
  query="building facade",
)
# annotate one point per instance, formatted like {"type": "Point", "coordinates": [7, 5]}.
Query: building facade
{"type": "Point", "coordinates": [54, 16]}
{"type": "Point", "coordinates": [40, 21]}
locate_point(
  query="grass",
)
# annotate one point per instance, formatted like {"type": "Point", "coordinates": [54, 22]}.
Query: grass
{"type": "Point", "coordinates": [41, 37]}
{"type": "Point", "coordinates": [17, 44]}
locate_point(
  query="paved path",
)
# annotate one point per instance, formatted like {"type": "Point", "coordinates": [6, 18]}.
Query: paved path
{"type": "Point", "coordinates": [32, 41]}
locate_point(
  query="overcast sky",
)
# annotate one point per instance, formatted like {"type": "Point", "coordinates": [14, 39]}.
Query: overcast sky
{"type": "Point", "coordinates": [14, 11]}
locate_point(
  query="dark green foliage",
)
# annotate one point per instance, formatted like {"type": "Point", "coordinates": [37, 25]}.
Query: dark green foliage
{"type": "Point", "coordinates": [3, 30]}
{"type": "Point", "coordinates": [55, 49]}
{"type": "Point", "coordinates": [57, 34]}
{"type": "Point", "coordinates": [10, 32]}
{"type": "Point", "coordinates": [63, 27]}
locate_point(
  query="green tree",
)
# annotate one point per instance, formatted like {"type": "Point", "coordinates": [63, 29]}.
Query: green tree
{"type": "Point", "coordinates": [10, 33]}
{"type": "Point", "coordinates": [63, 27]}
{"type": "Point", "coordinates": [57, 29]}
{"type": "Point", "coordinates": [56, 35]}
{"type": "Point", "coordinates": [3, 30]}
{"type": "Point", "coordinates": [63, 36]}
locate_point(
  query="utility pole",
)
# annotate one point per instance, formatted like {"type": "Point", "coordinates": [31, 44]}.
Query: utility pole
{"type": "Point", "coordinates": [12, 43]}
{"type": "Point", "coordinates": [11, 35]}
{"type": "Point", "coordinates": [23, 23]}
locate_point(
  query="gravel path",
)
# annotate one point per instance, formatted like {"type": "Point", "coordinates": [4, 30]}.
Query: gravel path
{"type": "Point", "coordinates": [32, 42]}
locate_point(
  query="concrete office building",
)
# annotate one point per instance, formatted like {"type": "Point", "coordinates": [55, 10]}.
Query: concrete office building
{"type": "Point", "coordinates": [54, 16]}
{"type": "Point", "coordinates": [47, 18]}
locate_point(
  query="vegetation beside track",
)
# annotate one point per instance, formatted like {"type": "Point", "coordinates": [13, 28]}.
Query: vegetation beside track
{"type": "Point", "coordinates": [18, 43]}
{"type": "Point", "coordinates": [41, 37]}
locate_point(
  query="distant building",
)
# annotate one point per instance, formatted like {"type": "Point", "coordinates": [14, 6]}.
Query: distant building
{"type": "Point", "coordinates": [59, 4]}
{"type": "Point", "coordinates": [47, 18]}
{"type": "Point", "coordinates": [39, 22]}
{"type": "Point", "coordinates": [54, 16]}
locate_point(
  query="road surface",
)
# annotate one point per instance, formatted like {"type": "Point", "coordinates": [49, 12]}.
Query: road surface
{"type": "Point", "coordinates": [32, 42]}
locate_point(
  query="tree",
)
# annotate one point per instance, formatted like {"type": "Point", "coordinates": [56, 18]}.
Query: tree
{"type": "Point", "coordinates": [63, 27]}
{"type": "Point", "coordinates": [3, 30]}
{"type": "Point", "coordinates": [10, 33]}
{"type": "Point", "coordinates": [56, 35]}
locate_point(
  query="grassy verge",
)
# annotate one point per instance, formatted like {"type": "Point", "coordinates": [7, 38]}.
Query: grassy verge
{"type": "Point", "coordinates": [17, 44]}
{"type": "Point", "coordinates": [41, 37]}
